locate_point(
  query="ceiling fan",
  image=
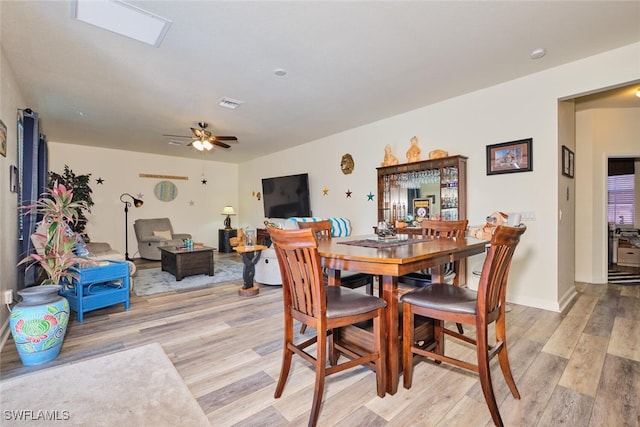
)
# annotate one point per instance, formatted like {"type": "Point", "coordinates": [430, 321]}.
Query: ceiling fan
{"type": "Point", "coordinates": [203, 140]}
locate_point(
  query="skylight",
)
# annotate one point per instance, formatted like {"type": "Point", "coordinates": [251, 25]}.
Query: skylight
{"type": "Point", "coordinates": [122, 18]}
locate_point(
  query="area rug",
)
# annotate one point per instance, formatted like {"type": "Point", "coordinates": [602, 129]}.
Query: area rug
{"type": "Point", "coordinates": [154, 281]}
{"type": "Point", "coordinates": [136, 387]}
{"type": "Point", "coordinates": [623, 278]}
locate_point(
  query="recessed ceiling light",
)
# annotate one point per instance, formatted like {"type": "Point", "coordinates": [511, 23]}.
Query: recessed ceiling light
{"type": "Point", "coordinates": [230, 103]}
{"type": "Point", "coordinates": [280, 72]}
{"type": "Point", "coordinates": [122, 18]}
{"type": "Point", "coordinates": [538, 53]}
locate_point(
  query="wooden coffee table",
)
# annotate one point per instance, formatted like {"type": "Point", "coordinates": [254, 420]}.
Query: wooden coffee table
{"type": "Point", "coordinates": [182, 262]}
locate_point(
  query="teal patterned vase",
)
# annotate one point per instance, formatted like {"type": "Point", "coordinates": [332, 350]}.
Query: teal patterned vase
{"type": "Point", "coordinates": [38, 324]}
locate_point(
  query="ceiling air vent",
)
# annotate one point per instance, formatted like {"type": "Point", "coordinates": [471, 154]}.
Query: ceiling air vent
{"type": "Point", "coordinates": [172, 142]}
{"type": "Point", "coordinates": [232, 104]}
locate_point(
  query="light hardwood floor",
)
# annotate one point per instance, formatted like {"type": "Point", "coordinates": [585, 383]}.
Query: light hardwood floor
{"type": "Point", "coordinates": [578, 368]}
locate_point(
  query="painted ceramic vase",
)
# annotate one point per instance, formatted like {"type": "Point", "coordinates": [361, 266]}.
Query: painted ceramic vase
{"type": "Point", "coordinates": [38, 324]}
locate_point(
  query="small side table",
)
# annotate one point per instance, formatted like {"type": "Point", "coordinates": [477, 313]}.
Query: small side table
{"type": "Point", "coordinates": [98, 287]}
{"type": "Point", "coordinates": [250, 256]}
{"type": "Point", "coordinates": [224, 235]}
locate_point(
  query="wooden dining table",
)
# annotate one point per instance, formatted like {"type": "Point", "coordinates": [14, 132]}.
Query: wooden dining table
{"type": "Point", "coordinates": [389, 260]}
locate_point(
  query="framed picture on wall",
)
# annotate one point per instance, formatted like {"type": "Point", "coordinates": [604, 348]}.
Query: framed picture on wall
{"type": "Point", "coordinates": [567, 162]}
{"type": "Point", "coordinates": [421, 208]}
{"type": "Point", "coordinates": [510, 157]}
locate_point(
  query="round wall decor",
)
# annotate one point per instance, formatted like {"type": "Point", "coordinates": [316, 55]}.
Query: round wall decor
{"type": "Point", "coordinates": [165, 191]}
{"type": "Point", "coordinates": [347, 164]}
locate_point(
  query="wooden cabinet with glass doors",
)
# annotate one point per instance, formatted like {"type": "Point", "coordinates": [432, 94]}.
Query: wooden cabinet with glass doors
{"type": "Point", "coordinates": [410, 192]}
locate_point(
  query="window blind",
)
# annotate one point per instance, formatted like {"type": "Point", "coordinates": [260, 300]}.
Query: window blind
{"type": "Point", "coordinates": [620, 207]}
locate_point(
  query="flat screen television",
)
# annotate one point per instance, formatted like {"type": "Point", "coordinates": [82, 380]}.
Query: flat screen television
{"type": "Point", "coordinates": [286, 196]}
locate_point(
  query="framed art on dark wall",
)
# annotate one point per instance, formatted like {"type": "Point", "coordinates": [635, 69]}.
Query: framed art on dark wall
{"type": "Point", "coordinates": [510, 157]}
{"type": "Point", "coordinates": [567, 162]}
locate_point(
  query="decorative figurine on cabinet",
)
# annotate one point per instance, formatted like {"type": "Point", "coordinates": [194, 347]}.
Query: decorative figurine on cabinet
{"type": "Point", "coordinates": [437, 154]}
{"type": "Point", "coordinates": [389, 158]}
{"type": "Point", "coordinates": [413, 153]}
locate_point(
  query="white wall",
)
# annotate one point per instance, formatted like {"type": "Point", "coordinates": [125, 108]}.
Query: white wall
{"type": "Point", "coordinates": [522, 108]}
{"type": "Point", "coordinates": [600, 134]}
{"type": "Point", "coordinates": [566, 205]}
{"type": "Point", "coordinates": [10, 100]}
{"type": "Point", "coordinates": [195, 210]}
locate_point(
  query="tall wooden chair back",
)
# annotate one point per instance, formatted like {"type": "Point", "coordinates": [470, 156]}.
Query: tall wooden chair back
{"type": "Point", "coordinates": [325, 308]}
{"type": "Point", "coordinates": [322, 228]}
{"type": "Point", "coordinates": [435, 228]}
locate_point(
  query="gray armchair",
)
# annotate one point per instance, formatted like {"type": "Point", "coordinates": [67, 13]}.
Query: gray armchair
{"type": "Point", "coordinates": [154, 233]}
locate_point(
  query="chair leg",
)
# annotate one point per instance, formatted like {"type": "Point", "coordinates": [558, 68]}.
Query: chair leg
{"type": "Point", "coordinates": [303, 328]}
{"type": "Point", "coordinates": [380, 331]}
{"type": "Point", "coordinates": [503, 357]}
{"type": "Point", "coordinates": [484, 372]}
{"type": "Point", "coordinates": [334, 354]}
{"type": "Point", "coordinates": [408, 337]}
{"type": "Point", "coordinates": [438, 336]}
{"type": "Point", "coordinates": [460, 329]}
{"type": "Point", "coordinates": [318, 390]}
{"type": "Point", "coordinates": [287, 355]}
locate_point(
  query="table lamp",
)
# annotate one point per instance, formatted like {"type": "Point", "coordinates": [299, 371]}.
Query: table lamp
{"type": "Point", "coordinates": [228, 211]}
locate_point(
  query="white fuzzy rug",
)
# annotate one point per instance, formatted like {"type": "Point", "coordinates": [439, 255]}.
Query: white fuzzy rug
{"type": "Point", "coordinates": [155, 281]}
{"type": "Point", "coordinates": [136, 387]}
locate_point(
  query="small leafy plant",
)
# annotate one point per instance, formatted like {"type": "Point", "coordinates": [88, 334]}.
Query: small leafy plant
{"type": "Point", "coordinates": [55, 239]}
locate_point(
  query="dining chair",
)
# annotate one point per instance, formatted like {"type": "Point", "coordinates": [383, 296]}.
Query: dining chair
{"type": "Point", "coordinates": [438, 229]}
{"type": "Point", "coordinates": [325, 308]}
{"type": "Point", "coordinates": [351, 280]}
{"type": "Point", "coordinates": [443, 302]}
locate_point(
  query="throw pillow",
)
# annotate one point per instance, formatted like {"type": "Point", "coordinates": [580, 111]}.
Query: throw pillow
{"type": "Point", "coordinates": [165, 234]}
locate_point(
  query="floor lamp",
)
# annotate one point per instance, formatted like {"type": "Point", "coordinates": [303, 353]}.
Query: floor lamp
{"type": "Point", "coordinates": [137, 203]}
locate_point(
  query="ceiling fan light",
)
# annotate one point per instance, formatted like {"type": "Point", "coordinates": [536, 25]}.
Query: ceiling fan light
{"type": "Point", "coordinates": [197, 144]}
{"type": "Point", "coordinates": [207, 145]}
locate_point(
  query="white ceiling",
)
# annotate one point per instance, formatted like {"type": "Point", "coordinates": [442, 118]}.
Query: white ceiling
{"type": "Point", "coordinates": [349, 64]}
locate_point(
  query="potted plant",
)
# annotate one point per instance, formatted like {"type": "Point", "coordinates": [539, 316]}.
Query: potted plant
{"type": "Point", "coordinates": [39, 322]}
{"type": "Point", "coordinates": [79, 184]}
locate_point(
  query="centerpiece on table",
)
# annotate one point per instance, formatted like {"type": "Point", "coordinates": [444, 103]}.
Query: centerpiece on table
{"type": "Point", "coordinates": [39, 322]}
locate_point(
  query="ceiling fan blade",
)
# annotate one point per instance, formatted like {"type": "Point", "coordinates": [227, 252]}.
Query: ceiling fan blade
{"type": "Point", "coordinates": [225, 138]}
{"type": "Point", "coordinates": [220, 144]}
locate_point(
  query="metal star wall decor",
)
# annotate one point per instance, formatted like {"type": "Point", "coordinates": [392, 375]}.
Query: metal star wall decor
{"type": "Point", "coordinates": [348, 193]}
{"type": "Point", "coordinates": [370, 197]}
{"type": "Point", "coordinates": [204, 181]}
{"type": "Point", "coordinates": [325, 191]}
{"type": "Point", "coordinates": [191, 203]}
{"type": "Point", "coordinates": [100, 181]}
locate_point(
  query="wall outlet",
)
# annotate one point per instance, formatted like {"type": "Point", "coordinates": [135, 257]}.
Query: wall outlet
{"type": "Point", "coordinates": [7, 297]}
